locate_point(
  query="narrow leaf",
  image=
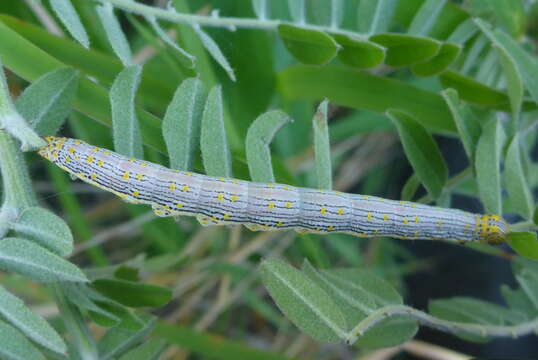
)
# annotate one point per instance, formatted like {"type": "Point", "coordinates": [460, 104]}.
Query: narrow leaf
{"type": "Point", "coordinates": [524, 243]}
{"type": "Point", "coordinates": [322, 147]}
{"type": "Point", "coordinates": [213, 141]}
{"type": "Point", "coordinates": [181, 123]}
{"type": "Point", "coordinates": [516, 183]}
{"type": "Point", "coordinates": [14, 311]}
{"type": "Point", "coordinates": [76, 294]}
{"type": "Point", "coordinates": [259, 136]}
{"type": "Point", "coordinates": [426, 17]}
{"type": "Point", "coordinates": [118, 340]}
{"type": "Point", "coordinates": [214, 50]}
{"type": "Point", "coordinates": [358, 52]}
{"type": "Point", "coordinates": [337, 13]}
{"type": "Point", "coordinates": [422, 152]}
{"type": "Point", "coordinates": [67, 14]}
{"type": "Point", "coordinates": [126, 131]}
{"type": "Point", "coordinates": [46, 229]}
{"type": "Point", "coordinates": [535, 215]}
{"type": "Point", "coordinates": [375, 15]}
{"type": "Point", "coordinates": [46, 103]}
{"type": "Point", "coordinates": [468, 126]}
{"type": "Point", "coordinates": [308, 46]}
{"type": "Point", "coordinates": [297, 10]}
{"type": "Point", "coordinates": [133, 294]}
{"type": "Point", "coordinates": [185, 58]}
{"type": "Point", "coordinates": [465, 31]}
{"type": "Point", "coordinates": [14, 346]}
{"type": "Point", "coordinates": [487, 165]}
{"type": "Point", "coordinates": [410, 188]}
{"type": "Point", "coordinates": [150, 350]}
{"type": "Point", "coordinates": [405, 50]}
{"type": "Point", "coordinates": [260, 8]}
{"type": "Point", "coordinates": [304, 303]}
{"type": "Point", "coordinates": [116, 36]}
{"type": "Point", "coordinates": [28, 259]}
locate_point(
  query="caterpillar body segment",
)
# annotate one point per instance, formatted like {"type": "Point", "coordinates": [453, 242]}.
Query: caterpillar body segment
{"type": "Point", "coordinates": [265, 207]}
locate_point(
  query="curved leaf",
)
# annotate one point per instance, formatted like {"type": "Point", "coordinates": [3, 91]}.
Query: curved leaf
{"type": "Point", "coordinates": [114, 33]}
{"type": "Point", "coordinates": [14, 346]}
{"type": "Point", "coordinates": [308, 46]}
{"type": "Point", "coordinates": [444, 58]}
{"type": "Point", "coordinates": [67, 14]}
{"type": "Point", "coordinates": [359, 53]}
{"type": "Point", "coordinates": [404, 50]}
{"type": "Point", "coordinates": [524, 243]}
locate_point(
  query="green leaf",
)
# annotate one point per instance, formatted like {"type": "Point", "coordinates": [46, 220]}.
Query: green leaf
{"type": "Point", "coordinates": [211, 346]}
{"type": "Point", "coordinates": [78, 295]}
{"type": "Point", "coordinates": [524, 243]}
{"type": "Point", "coordinates": [465, 31]}
{"type": "Point", "coordinates": [28, 259]}
{"type": "Point", "coordinates": [181, 123]}
{"type": "Point", "coordinates": [304, 303]}
{"type": "Point", "coordinates": [518, 189]}
{"type": "Point", "coordinates": [126, 131]}
{"type": "Point", "coordinates": [358, 52]}
{"type": "Point", "coordinates": [468, 126]}
{"type": "Point", "coordinates": [405, 50]}
{"type": "Point", "coordinates": [213, 140]}
{"type": "Point", "coordinates": [510, 68]}
{"type": "Point", "coordinates": [422, 152]}
{"type": "Point", "coordinates": [511, 15]}
{"type": "Point", "coordinates": [133, 294]}
{"type": "Point", "coordinates": [46, 103]}
{"type": "Point", "coordinates": [14, 311]}
{"type": "Point", "coordinates": [308, 46]}
{"type": "Point", "coordinates": [426, 17]}
{"type": "Point", "coordinates": [448, 53]}
{"type": "Point", "coordinates": [361, 90]}
{"type": "Point", "coordinates": [214, 50]}
{"type": "Point", "coordinates": [375, 16]}
{"type": "Point", "coordinates": [410, 188]}
{"type": "Point", "coordinates": [67, 14]}
{"type": "Point", "coordinates": [487, 165]}
{"type": "Point", "coordinates": [185, 58]}
{"type": "Point", "coordinates": [535, 215]}
{"type": "Point", "coordinates": [322, 147]}
{"type": "Point", "coordinates": [297, 11]}
{"type": "Point", "coordinates": [259, 136]}
{"type": "Point", "coordinates": [117, 340]}
{"type": "Point", "coordinates": [150, 350]}
{"type": "Point", "coordinates": [46, 229]}
{"type": "Point", "coordinates": [114, 33]}
{"type": "Point", "coordinates": [14, 346]}
{"type": "Point", "coordinates": [389, 332]}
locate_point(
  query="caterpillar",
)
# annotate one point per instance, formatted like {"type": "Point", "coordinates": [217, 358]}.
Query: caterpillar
{"type": "Point", "coordinates": [266, 207]}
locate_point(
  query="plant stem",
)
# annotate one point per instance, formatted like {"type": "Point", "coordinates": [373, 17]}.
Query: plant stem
{"type": "Point", "coordinates": [76, 327]}
{"type": "Point", "coordinates": [439, 324]}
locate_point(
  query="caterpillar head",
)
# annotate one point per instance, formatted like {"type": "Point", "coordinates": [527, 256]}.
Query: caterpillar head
{"type": "Point", "coordinates": [51, 150]}
{"type": "Point", "coordinates": [491, 229]}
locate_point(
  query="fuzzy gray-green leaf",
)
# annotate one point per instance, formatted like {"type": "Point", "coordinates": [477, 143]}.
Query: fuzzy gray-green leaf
{"type": "Point", "coordinates": [185, 58]}
{"type": "Point", "coordinates": [116, 36]}
{"type": "Point", "coordinates": [426, 17]}
{"type": "Point", "coordinates": [46, 103]}
{"type": "Point", "coordinates": [214, 50]}
{"type": "Point", "coordinates": [213, 141]}
{"type": "Point", "coordinates": [14, 346]}
{"type": "Point", "coordinates": [67, 14]}
{"type": "Point", "coordinates": [34, 262]}
{"type": "Point", "coordinates": [14, 311]}
{"type": "Point", "coordinates": [322, 147]}
{"type": "Point", "coordinates": [516, 183]}
{"type": "Point", "coordinates": [488, 166]}
{"type": "Point", "coordinates": [259, 136]}
{"type": "Point", "coordinates": [181, 123]}
{"type": "Point", "coordinates": [46, 229]}
{"type": "Point", "coordinates": [375, 15]}
{"type": "Point", "coordinates": [304, 302]}
{"type": "Point", "coordinates": [126, 130]}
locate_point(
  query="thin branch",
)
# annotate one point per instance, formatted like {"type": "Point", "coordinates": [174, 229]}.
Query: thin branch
{"type": "Point", "coordinates": [451, 327]}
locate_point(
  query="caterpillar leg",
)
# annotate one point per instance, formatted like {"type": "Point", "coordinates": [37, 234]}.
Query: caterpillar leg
{"type": "Point", "coordinates": [160, 210]}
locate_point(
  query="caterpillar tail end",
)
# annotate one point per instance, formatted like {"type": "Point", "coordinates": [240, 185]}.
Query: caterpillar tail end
{"type": "Point", "coordinates": [50, 151]}
{"type": "Point", "coordinates": [492, 229]}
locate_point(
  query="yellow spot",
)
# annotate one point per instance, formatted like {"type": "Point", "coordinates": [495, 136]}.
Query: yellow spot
{"type": "Point", "coordinates": [132, 159]}
{"type": "Point", "coordinates": [82, 175]}
{"type": "Point", "coordinates": [405, 221]}
{"type": "Point", "coordinates": [414, 205]}
{"type": "Point", "coordinates": [385, 217]}
{"type": "Point", "coordinates": [220, 197]}
{"type": "Point", "coordinates": [214, 218]}
{"type": "Point", "coordinates": [94, 176]}
{"type": "Point", "coordinates": [226, 216]}
{"type": "Point", "coordinates": [365, 197]}
{"type": "Point", "coordinates": [233, 198]}
{"type": "Point", "coordinates": [179, 205]}
{"type": "Point", "coordinates": [270, 185]}
{"type": "Point", "coordinates": [321, 191]}
{"type": "Point", "coordinates": [139, 176]}
{"type": "Point", "coordinates": [439, 223]}
{"type": "Point", "coordinates": [340, 211]}
{"type": "Point", "coordinates": [402, 202]}
{"type": "Point", "coordinates": [467, 226]}
{"type": "Point", "coordinates": [71, 150]}
{"type": "Point", "coordinates": [106, 153]}
{"type": "Point", "coordinates": [322, 210]}
{"type": "Point", "coordinates": [370, 216]}
{"type": "Point", "coordinates": [286, 187]}
{"type": "Point", "coordinates": [77, 142]}
{"type": "Point", "coordinates": [222, 179]}
{"type": "Point", "coordinates": [495, 217]}
{"type": "Point", "coordinates": [126, 175]}
{"type": "Point", "coordinates": [77, 157]}
{"type": "Point", "coordinates": [188, 173]}
{"type": "Point", "coordinates": [271, 205]}
{"type": "Point", "coordinates": [89, 160]}
{"type": "Point", "coordinates": [136, 193]}
{"type": "Point", "coordinates": [67, 159]}
{"type": "Point", "coordinates": [288, 205]}
{"type": "Point", "coordinates": [143, 163]}
{"type": "Point", "coordinates": [100, 163]}
{"type": "Point", "coordinates": [172, 187]}
{"type": "Point", "coordinates": [330, 228]}
{"type": "Point", "coordinates": [234, 181]}
{"type": "Point", "coordinates": [185, 188]}
{"type": "Point", "coordinates": [417, 219]}
{"type": "Point", "coordinates": [416, 234]}
{"type": "Point", "coordinates": [376, 231]}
